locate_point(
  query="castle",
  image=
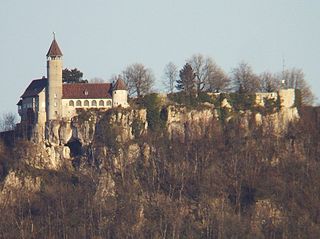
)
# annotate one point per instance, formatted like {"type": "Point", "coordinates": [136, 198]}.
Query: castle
{"type": "Point", "coordinates": [48, 99]}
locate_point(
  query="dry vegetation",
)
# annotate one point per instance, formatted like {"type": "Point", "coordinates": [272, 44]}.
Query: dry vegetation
{"type": "Point", "coordinates": [208, 188]}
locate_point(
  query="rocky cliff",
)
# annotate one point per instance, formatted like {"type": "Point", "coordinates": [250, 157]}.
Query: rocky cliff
{"type": "Point", "coordinates": [103, 146]}
{"type": "Point", "coordinates": [66, 139]}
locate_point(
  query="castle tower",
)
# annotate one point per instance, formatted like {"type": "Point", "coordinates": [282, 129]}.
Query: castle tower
{"type": "Point", "coordinates": [54, 87]}
{"type": "Point", "coordinates": [119, 94]}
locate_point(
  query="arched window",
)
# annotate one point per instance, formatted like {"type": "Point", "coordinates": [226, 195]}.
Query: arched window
{"type": "Point", "coordinates": [94, 103]}
{"type": "Point", "coordinates": [86, 103]}
{"type": "Point", "coordinates": [78, 103]}
{"type": "Point", "coordinates": [101, 103]}
{"type": "Point", "coordinates": [109, 103]}
{"type": "Point", "coordinates": [71, 103]}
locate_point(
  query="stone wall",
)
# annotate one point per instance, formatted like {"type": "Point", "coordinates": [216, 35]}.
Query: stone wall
{"type": "Point", "coordinates": [261, 97]}
{"type": "Point", "coordinates": [41, 114]}
{"type": "Point", "coordinates": [287, 98]}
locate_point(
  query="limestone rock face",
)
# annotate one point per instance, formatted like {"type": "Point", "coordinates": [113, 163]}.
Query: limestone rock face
{"type": "Point", "coordinates": [184, 123]}
{"type": "Point", "coordinates": [42, 156]}
{"type": "Point", "coordinates": [52, 132]}
{"type": "Point", "coordinates": [83, 128]}
{"type": "Point", "coordinates": [125, 121]}
{"type": "Point", "coordinates": [267, 212]}
{"type": "Point", "coordinates": [126, 156]}
{"type": "Point", "coordinates": [124, 125]}
{"type": "Point", "coordinates": [225, 104]}
{"type": "Point", "coordinates": [14, 186]}
{"type": "Point", "coordinates": [65, 132]}
{"type": "Point", "coordinates": [106, 187]}
{"type": "Point", "coordinates": [279, 121]}
{"type": "Point", "coordinates": [56, 153]}
{"type": "Point", "coordinates": [56, 157]}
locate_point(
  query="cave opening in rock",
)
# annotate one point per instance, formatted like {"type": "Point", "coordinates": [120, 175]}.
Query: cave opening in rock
{"type": "Point", "coordinates": [75, 147]}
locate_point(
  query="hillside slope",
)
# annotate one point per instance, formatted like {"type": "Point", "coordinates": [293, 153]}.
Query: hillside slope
{"type": "Point", "coordinates": [166, 171]}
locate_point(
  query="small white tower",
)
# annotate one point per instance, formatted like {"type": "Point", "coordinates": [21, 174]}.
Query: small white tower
{"type": "Point", "coordinates": [54, 87]}
{"type": "Point", "coordinates": [120, 94]}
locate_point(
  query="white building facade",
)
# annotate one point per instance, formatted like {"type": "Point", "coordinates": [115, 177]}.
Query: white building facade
{"type": "Point", "coordinates": [48, 98]}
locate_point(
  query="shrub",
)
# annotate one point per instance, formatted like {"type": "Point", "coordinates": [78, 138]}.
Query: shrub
{"type": "Point", "coordinates": [156, 116]}
{"type": "Point", "coordinates": [137, 127]}
{"type": "Point", "coordinates": [270, 106]}
{"type": "Point", "coordinates": [240, 101]}
{"type": "Point", "coordinates": [183, 99]}
{"type": "Point", "coordinates": [108, 132]}
{"type": "Point", "coordinates": [297, 98]}
{"type": "Point", "coordinates": [204, 97]}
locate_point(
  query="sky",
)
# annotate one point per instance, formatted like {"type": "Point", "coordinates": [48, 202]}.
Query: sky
{"type": "Point", "coordinates": [103, 37]}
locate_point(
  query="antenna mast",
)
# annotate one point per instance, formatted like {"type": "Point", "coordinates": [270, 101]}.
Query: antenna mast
{"type": "Point", "coordinates": [283, 82]}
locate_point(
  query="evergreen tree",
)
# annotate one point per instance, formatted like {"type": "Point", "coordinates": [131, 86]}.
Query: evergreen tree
{"type": "Point", "coordinates": [72, 76]}
{"type": "Point", "coordinates": [186, 82]}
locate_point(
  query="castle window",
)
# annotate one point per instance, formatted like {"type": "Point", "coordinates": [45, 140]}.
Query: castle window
{"type": "Point", "coordinates": [86, 92]}
{"type": "Point", "coordinates": [109, 103]}
{"type": "Point", "coordinates": [86, 103]}
{"type": "Point", "coordinates": [101, 103]}
{"type": "Point", "coordinates": [94, 103]}
{"type": "Point", "coordinates": [78, 103]}
{"type": "Point", "coordinates": [71, 103]}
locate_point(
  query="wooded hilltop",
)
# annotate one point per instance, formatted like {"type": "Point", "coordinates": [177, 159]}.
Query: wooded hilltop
{"type": "Point", "coordinates": [220, 156]}
{"type": "Point", "coordinates": [141, 173]}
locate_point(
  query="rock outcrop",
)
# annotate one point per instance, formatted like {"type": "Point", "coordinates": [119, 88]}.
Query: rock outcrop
{"type": "Point", "coordinates": [105, 147]}
{"type": "Point", "coordinates": [15, 185]}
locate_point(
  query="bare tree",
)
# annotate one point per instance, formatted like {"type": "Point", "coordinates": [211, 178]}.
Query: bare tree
{"type": "Point", "coordinates": [244, 79]}
{"type": "Point", "coordinates": [209, 76]}
{"type": "Point", "coordinates": [170, 75]}
{"type": "Point", "coordinates": [186, 82]}
{"type": "Point", "coordinates": [139, 79]}
{"type": "Point", "coordinates": [269, 82]}
{"type": "Point", "coordinates": [295, 78]}
{"type": "Point", "coordinates": [218, 80]}
{"type": "Point", "coordinates": [201, 68]}
{"type": "Point", "coordinates": [8, 122]}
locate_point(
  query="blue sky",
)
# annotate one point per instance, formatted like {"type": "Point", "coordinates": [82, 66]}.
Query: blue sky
{"type": "Point", "coordinates": [102, 37]}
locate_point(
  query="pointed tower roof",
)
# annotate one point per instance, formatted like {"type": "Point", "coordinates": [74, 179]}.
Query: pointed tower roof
{"type": "Point", "coordinates": [54, 49]}
{"type": "Point", "coordinates": [120, 85]}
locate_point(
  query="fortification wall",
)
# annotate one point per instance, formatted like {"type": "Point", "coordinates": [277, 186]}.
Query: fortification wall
{"type": "Point", "coordinates": [260, 97]}
{"type": "Point", "coordinates": [287, 98]}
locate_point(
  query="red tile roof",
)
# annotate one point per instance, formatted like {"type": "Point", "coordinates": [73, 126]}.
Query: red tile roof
{"type": "Point", "coordinates": [119, 85]}
{"type": "Point", "coordinates": [86, 91]}
{"type": "Point", "coordinates": [35, 87]}
{"type": "Point", "coordinates": [72, 91]}
{"type": "Point", "coordinates": [54, 49]}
